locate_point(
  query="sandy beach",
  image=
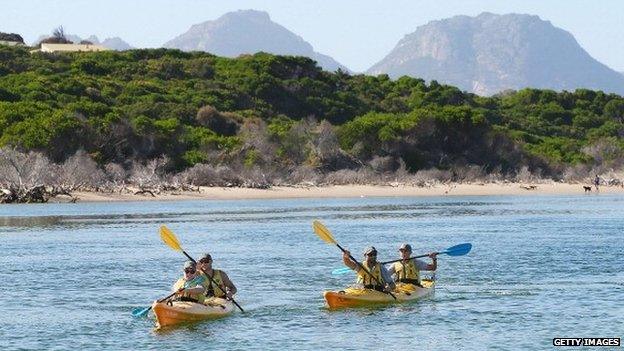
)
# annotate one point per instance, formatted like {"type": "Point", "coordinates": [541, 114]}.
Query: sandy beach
{"type": "Point", "coordinates": [477, 189]}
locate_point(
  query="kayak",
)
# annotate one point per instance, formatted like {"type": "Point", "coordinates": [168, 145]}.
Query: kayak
{"type": "Point", "coordinates": [177, 312]}
{"type": "Point", "coordinates": [360, 297]}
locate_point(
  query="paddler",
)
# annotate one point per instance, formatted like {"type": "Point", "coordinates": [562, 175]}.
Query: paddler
{"type": "Point", "coordinates": [191, 286]}
{"type": "Point", "coordinates": [225, 288]}
{"type": "Point", "coordinates": [382, 280]}
{"type": "Point", "coordinates": [408, 270]}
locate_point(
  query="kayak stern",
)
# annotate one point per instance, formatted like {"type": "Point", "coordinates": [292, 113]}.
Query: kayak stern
{"type": "Point", "coordinates": [179, 312]}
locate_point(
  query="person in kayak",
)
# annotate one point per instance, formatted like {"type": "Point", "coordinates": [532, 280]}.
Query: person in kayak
{"type": "Point", "coordinates": [227, 288]}
{"type": "Point", "coordinates": [375, 268]}
{"type": "Point", "coordinates": [408, 270]}
{"type": "Point", "coordinates": [191, 286]}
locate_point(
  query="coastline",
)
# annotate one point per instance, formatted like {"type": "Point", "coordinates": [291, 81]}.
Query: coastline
{"type": "Point", "coordinates": [336, 191]}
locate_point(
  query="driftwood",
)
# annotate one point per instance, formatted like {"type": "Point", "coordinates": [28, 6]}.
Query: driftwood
{"type": "Point", "coordinates": [57, 190]}
{"type": "Point", "coordinates": [35, 194]}
{"type": "Point", "coordinates": [8, 196]}
{"type": "Point", "coordinates": [144, 191]}
{"type": "Point", "coordinates": [166, 188]}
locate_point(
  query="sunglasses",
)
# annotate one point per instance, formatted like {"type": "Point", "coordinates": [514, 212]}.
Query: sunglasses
{"type": "Point", "coordinates": [190, 271]}
{"type": "Point", "coordinates": [205, 261]}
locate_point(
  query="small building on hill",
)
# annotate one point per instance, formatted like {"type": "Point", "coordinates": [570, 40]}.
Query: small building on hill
{"type": "Point", "coordinates": [10, 43]}
{"type": "Point", "coordinates": [11, 39]}
{"type": "Point", "coordinates": [50, 47]}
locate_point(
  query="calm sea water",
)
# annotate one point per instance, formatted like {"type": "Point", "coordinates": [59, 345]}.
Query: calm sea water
{"type": "Point", "coordinates": [541, 267]}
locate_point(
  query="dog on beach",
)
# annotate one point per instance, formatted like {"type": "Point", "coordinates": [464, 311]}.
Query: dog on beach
{"type": "Point", "coordinates": [587, 188]}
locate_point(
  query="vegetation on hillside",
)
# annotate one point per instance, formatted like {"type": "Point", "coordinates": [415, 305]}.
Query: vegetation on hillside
{"type": "Point", "coordinates": [281, 119]}
{"type": "Point", "coordinates": [11, 37]}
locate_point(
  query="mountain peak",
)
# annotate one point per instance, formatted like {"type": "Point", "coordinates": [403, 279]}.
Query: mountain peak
{"type": "Point", "coordinates": [491, 53]}
{"type": "Point", "coordinates": [247, 32]}
{"type": "Point", "coordinates": [250, 14]}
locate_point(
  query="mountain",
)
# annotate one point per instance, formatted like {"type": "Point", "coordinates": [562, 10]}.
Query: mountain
{"type": "Point", "coordinates": [491, 53]}
{"type": "Point", "coordinates": [115, 43]}
{"type": "Point", "coordinates": [247, 32]}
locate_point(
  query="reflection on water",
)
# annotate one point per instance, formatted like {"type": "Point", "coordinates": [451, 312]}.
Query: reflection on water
{"type": "Point", "coordinates": [541, 267]}
{"type": "Point", "coordinates": [280, 214]}
{"type": "Point", "coordinates": [27, 222]}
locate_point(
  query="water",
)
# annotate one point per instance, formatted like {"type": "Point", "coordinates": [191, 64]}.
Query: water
{"type": "Point", "coordinates": [541, 267]}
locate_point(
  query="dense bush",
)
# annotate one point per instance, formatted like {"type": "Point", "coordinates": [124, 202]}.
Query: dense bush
{"type": "Point", "coordinates": [284, 115]}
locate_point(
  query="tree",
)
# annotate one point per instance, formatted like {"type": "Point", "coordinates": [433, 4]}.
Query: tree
{"type": "Point", "coordinates": [11, 37]}
{"type": "Point", "coordinates": [58, 37]}
{"type": "Point", "coordinates": [615, 109]}
{"type": "Point", "coordinates": [80, 172]}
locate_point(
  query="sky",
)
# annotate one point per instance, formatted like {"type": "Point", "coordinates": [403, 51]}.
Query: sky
{"type": "Point", "coordinates": [355, 33]}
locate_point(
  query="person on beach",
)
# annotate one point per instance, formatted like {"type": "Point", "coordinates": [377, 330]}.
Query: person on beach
{"type": "Point", "coordinates": [596, 182]}
{"type": "Point", "coordinates": [191, 286]}
{"type": "Point", "coordinates": [383, 281]}
{"type": "Point", "coordinates": [408, 270]}
{"type": "Point", "coordinates": [224, 287]}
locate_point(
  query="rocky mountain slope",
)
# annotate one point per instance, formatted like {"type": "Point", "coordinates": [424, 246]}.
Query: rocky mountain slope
{"type": "Point", "coordinates": [491, 53]}
{"type": "Point", "coordinates": [247, 32]}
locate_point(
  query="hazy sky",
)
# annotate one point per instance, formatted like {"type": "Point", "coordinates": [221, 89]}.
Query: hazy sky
{"type": "Point", "coordinates": [355, 33]}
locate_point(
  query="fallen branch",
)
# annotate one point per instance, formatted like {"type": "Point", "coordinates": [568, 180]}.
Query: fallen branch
{"type": "Point", "coordinates": [144, 191]}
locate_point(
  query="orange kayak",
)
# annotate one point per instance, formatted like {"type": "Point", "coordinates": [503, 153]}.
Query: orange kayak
{"type": "Point", "coordinates": [360, 297]}
{"type": "Point", "coordinates": [178, 312]}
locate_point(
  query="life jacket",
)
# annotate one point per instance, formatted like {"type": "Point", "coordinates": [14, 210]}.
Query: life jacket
{"type": "Point", "coordinates": [211, 288]}
{"type": "Point", "coordinates": [406, 272]}
{"type": "Point", "coordinates": [366, 280]}
{"type": "Point", "coordinates": [183, 283]}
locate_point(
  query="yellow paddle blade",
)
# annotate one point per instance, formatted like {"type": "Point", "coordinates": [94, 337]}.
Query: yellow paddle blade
{"type": "Point", "coordinates": [323, 232]}
{"type": "Point", "coordinates": [169, 238]}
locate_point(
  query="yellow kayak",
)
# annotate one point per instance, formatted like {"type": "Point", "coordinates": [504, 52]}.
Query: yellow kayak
{"type": "Point", "coordinates": [360, 297]}
{"type": "Point", "coordinates": [177, 312]}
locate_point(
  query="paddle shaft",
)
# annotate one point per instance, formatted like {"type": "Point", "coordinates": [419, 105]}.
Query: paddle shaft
{"type": "Point", "coordinates": [411, 258]}
{"type": "Point", "coordinates": [365, 270]}
{"type": "Point", "coordinates": [213, 282]}
{"type": "Point", "coordinates": [457, 250]}
{"type": "Point", "coordinates": [144, 311]}
{"type": "Point", "coordinates": [165, 298]}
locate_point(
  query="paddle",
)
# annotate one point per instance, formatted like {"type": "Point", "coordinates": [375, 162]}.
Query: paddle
{"type": "Point", "coordinates": [325, 235]}
{"type": "Point", "coordinates": [341, 271]}
{"type": "Point", "coordinates": [457, 250]}
{"type": "Point", "coordinates": [142, 311]}
{"type": "Point", "coordinates": [170, 239]}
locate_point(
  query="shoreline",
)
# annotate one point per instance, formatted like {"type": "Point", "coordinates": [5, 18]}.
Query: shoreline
{"type": "Point", "coordinates": [351, 191]}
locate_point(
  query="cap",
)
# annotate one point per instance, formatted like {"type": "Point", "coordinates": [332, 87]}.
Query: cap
{"type": "Point", "coordinates": [406, 247]}
{"type": "Point", "coordinates": [371, 250]}
{"type": "Point", "coordinates": [206, 256]}
{"type": "Point", "coordinates": [189, 264]}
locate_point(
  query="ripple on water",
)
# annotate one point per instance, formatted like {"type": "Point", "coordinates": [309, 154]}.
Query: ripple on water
{"type": "Point", "coordinates": [540, 267]}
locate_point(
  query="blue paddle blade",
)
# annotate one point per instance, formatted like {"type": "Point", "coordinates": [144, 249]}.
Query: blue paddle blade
{"type": "Point", "coordinates": [458, 250]}
{"type": "Point", "coordinates": [341, 271]}
{"type": "Point", "coordinates": [140, 311]}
